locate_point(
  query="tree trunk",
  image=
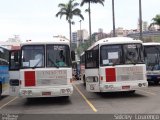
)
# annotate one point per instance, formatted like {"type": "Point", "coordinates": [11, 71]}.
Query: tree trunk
{"type": "Point", "coordinates": [70, 33]}
{"type": "Point", "coordinates": [113, 16]}
{"type": "Point", "coordinates": [90, 33]}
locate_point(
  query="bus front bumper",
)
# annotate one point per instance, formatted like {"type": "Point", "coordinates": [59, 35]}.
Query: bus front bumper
{"type": "Point", "coordinates": [54, 91]}
{"type": "Point", "coordinates": [123, 86]}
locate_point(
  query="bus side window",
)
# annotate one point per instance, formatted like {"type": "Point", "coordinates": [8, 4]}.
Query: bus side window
{"type": "Point", "coordinates": [14, 60]}
{"type": "Point", "coordinates": [92, 59]}
{"type": "Point", "coordinates": [144, 51]}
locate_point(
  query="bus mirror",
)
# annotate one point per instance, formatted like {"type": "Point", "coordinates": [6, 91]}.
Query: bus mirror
{"type": "Point", "coordinates": [73, 55]}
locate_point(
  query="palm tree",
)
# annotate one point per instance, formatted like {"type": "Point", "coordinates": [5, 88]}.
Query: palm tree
{"type": "Point", "coordinates": [156, 21]}
{"type": "Point", "coordinates": [89, 11]}
{"type": "Point", "coordinates": [113, 16]}
{"type": "Point", "coordinates": [69, 10]}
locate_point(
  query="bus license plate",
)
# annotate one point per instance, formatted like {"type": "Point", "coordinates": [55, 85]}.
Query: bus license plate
{"type": "Point", "coordinates": [46, 93]}
{"type": "Point", "coordinates": [126, 87]}
{"type": "Point", "coordinates": [13, 88]}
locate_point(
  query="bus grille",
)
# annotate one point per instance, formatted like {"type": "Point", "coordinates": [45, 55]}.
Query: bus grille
{"type": "Point", "coordinates": [130, 73]}
{"type": "Point", "coordinates": [51, 82]}
{"type": "Point", "coordinates": [129, 77]}
{"type": "Point", "coordinates": [51, 77]}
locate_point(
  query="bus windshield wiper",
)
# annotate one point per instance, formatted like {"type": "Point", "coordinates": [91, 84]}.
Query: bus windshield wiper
{"type": "Point", "coordinates": [53, 62]}
{"type": "Point", "coordinates": [134, 62]}
{"type": "Point", "coordinates": [36, 64]}
{"type": "Point", "coordinates": [55, 65]}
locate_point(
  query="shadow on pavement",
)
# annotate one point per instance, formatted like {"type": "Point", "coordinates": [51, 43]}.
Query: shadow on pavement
{"type": "Point", "coordinates": [48, 101]}
{"type": "Point", "coordinates": [112, 95]}
{"type": "Point", "coordinates": [3, 96]}
{"type": "Point", "coordinates": [153, 84]}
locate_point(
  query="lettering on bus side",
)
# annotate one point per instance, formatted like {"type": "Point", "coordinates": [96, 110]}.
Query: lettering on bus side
{"type": "Point", "coordinates": [54, 74]}
{"type": "Point", "coordinates": [134, 70]}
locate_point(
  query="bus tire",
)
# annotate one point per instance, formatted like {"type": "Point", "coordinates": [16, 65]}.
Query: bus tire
{"type": "Point", "coordinates": [131, 92]}
{"type": "Point", "coordinates": [65, 97]}
{"type": "Point", "coordinates": [29, 100]}
{"type": "Point", "coordinates": [84, 81]}
{"type": "Point", "coordinates": [156, 82]}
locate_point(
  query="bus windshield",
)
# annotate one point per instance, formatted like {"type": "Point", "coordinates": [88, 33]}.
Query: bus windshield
{"type": "Point", "coordinates": [121, 54]}
{"type": "Point", "coordinates": [58, 56]}
{"type": "Point", "coordinates": [152, 56]}
{"type": "Point", "coordinates": [33, 56]}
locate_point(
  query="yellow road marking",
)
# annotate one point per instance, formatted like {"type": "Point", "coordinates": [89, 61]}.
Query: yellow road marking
{"type": "Point", "coordinates": [148, 92]}
{"type": "Point", "coordinates": [8, 103]}
{"type": "Point", "coordinates": [88, 102]}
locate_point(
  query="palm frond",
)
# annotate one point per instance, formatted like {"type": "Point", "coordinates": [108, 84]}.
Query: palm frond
{"type": "Point", "coordinates": [84, 1]}
{"type": "Point", "coordinates": [61, 5]}
{"type": "Point", "coordinates": [98, 1]}
{"type": "Point", "coordinates": [75, 5]}
{"type": "Point", "coordinates": [86, 10]}
{"type": "Point", "coordinates": [156, 20]}
{"type": "Point", "coordinates": [92, 1]}
{"type": "Point", "coordinates": [151, 25]}
{"type": "Point", "coordinates": [81, 16]}
{"type": "Point", "coordinates": [60, 14]}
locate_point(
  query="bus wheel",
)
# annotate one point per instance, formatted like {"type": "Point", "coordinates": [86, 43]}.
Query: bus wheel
{"type": "Point", "coordinates": [30, 100]}
{"type": "Point", "coordinates": [131, 92]}
{"type": "Point", "coordinates": [84, 81]}
{"type": "Point", "coordinates": [0, 90]}
{"type": "Point", "coordinates": [156, 82]}
{"type": "Point", "coordinates": [65, 97]}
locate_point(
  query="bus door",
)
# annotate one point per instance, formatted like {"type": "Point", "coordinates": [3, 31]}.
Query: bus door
{"type": "Point", "coordinates": [14, 64]}
{"type": "Point", "coordinates": [91, 70]}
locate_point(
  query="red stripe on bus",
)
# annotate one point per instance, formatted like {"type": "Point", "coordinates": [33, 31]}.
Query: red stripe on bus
{"type": "Point", "coordinates": [29, 77]}
{"type": "Point", "coordinates": [110, 74]}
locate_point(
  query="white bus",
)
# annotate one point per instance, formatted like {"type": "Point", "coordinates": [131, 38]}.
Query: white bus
{"type": "Point", "coordinates": [45, 69]}
{"type": "Point", "coordinates": [152, 58]}
{"type": "Point", "coordinates": [115, 64]}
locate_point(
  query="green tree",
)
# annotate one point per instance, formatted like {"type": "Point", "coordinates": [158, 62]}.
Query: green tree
{"type": "Point", "coordinates": [89, 11]}
{"type": "Point", "coordinates": [69, 10]}
{"type": "Point", "coordinates": [82, 47]}
{"type": "Point", "coordinates": [156, 21]}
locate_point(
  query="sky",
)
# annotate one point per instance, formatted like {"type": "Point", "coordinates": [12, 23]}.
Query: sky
{"type": "Point", "coordinates": [35, 19]}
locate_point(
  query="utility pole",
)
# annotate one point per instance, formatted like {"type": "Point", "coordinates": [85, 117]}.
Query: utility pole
{"type": "Point", "coordinates": [140, 20]}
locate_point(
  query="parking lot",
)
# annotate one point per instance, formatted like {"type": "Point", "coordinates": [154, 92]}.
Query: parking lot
{"type": "Point", "coordinates": [83, 102]}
